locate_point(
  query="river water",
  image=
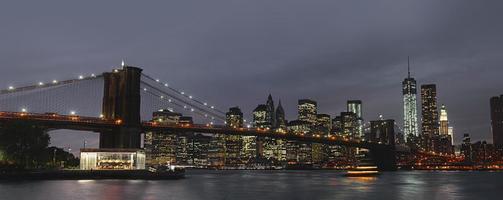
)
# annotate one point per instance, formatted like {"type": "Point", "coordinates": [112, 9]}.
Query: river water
{"type": "Point", "coordinates": [253, 185]}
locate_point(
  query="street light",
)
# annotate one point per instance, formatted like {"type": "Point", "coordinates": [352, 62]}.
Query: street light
{"type": "Point", "coordinates": [73, 112]}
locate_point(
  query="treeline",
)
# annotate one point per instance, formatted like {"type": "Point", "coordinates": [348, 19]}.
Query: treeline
{"type": "Point", "coordinates": [26, 146]}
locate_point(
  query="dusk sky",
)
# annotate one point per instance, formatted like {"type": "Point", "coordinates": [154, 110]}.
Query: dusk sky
{"type": "Point", "coordinates": [236, 52]}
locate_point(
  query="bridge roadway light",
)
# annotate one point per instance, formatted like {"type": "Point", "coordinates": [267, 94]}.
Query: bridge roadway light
{"type": "Point", "coordinates": [165, 84]}
{"type": "Point", "coordinates": [24, 110]}
{"type": "Point", "coordinates": [40, 83]}
{"type": "Point", "coordinates": [93, 75]}
{"type": "Point", "coordinates": [81, 77]}
{"type": "Point", "coordinates": [11, 88]}
{"type": "Point", "coordinates": [54, 81]}
{"type": "Point", "coordinates": [73, 112]}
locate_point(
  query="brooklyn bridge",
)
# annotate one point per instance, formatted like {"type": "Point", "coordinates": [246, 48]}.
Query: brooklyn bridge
{"type": "Point", "coordinates": [127, 92]}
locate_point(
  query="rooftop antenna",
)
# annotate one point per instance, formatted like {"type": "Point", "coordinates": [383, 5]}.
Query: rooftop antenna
{"type": "Point", "coordinates": [408, 67]}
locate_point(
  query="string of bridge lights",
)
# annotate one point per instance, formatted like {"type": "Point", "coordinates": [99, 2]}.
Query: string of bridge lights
{"type": "Point", "coordinates": [24, 109]}
{"type": "Point", "coordinates": [190, 97]}
{"type": "Point", "coordinates": [41, 84]}
{"type": "Point", "coordinates": [182, 93]}
{"type": "Point", "coordinates": [162, 97]}
{"type": "Point", "coordinates": [184, 107]}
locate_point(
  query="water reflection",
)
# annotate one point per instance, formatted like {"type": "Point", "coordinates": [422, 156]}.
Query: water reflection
{"type": "Point", "coordinates": [254, 185]}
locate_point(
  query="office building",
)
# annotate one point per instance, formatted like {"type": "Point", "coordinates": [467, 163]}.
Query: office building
{"type": "Point", "coordinates": [497, 120]}
{"type": "Point", "coordinates": [355, 106]}
{"type": "Point", "coordinates": [307, 110]}
{"type": "Point", "coordinates": [409, 91]}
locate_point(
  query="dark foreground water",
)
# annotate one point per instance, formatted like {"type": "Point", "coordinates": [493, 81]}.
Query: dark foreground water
{"type": "Point", "coordinates": [288, 185]}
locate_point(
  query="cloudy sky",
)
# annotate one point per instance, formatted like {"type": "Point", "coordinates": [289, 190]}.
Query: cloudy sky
{"type": "Point", "coordinates": [236, 52]}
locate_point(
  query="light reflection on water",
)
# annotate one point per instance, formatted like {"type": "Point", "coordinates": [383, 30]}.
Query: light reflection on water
{"type": "Point", "coordinates": [254, 185]}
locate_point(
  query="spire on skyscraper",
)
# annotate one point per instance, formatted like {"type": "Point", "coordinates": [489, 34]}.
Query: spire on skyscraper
{"type": "Point", "coordinates": [408, 67]}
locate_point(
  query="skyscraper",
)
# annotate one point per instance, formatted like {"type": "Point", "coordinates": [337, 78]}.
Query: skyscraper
{"type": "Point", "coordinates": [497, 120]}
{"type": "Point", "coordinates": [260, 117]}
{"type": "Point", "coordinates": [355, 106]}
{"type": "Point", "coordinates": [161, 147]}
{"type": "Point", "coordinates": [445, 130]}
{"type": "Point", "coordinates": [234, 118]}
{"type": "Point", "coordinates": [444, 122]}
{"type": "Point", "coordinates": [429, 110]}
{"type": "Point", "coordinates": [307, 111]}
{"type": "Point", "coordinates": [271, 112]}
{"type": "Point", "coordinates": [409, 91]}
{"type": "Point", "coordinates": [280, 117]}
{"type": "Point", "coordinates": [324, 123]}
{"type": "Point", "coordinates": [233, 143]}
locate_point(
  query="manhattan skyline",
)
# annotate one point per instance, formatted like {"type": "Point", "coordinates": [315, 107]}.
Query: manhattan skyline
{"type": "Point", "coordinates": [251, 53]}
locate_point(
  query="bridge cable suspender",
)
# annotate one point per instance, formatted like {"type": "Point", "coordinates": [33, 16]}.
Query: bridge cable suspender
{"type": "Point", "coordinates": [164, 96]}
{"type": "Point", "coordinates": [183, 94]}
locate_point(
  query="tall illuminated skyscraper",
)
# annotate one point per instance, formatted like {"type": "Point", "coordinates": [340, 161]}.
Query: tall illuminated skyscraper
{"type": "Point", "coordinates": [429, 110]}
{"type": "Point", "coordinates": [444, 122]}
{"type": "Point", "coordinates": [355, 106]}
{"type": "Point", "coordinates": [409, 104]}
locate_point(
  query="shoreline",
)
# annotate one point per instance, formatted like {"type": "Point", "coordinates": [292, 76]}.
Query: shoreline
{"type": "Point", "coordinates": [90, 175]}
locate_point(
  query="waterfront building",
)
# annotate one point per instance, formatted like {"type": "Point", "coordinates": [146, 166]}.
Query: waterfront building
{"type": "Point", "coordinates": [307, 110]}
{"type": "Point", "coordinates": [409, 91]}
{"type": "Point", "coordinates": [216, 151]}
{"type": "Point", "coordinates": [298, 153]}
{"type": "Point", "coordinates": [197, 150]}
{"type": "Point", "coordinates": [248, 149]}
{"type": "Point", "coordinates": [496, 104]}
{"type": "Point", "coordinates": [161, 147]}
{"type": "Point", "coordinates": [429, 114]}
{"type": "Point", "coordinates": [112, 159]}
{"type": "Point", "coordinates": [355, 106]}
{"type": "Point", "coordinates": [233, 143]}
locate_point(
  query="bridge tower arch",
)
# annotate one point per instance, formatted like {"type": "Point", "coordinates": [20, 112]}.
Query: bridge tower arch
{"type": "Point", "coordinates": [121, 102]}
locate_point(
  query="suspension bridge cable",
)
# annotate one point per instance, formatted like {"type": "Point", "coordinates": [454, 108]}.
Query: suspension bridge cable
{"type": "Point", "coordinates": [165, 85]}
{"type": "Point", "coordinates": [41, 85]}
{"type": "Point", "coordinates": [181, 100]}
{"type": "Point", "coordinates": [180, 105]}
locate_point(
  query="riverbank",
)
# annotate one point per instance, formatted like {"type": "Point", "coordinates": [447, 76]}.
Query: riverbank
{"type": "Point", "coordinates": [91, 175]}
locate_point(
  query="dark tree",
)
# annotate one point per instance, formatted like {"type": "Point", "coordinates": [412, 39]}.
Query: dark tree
{"type": "Point", "coordinates": [23, 143]}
